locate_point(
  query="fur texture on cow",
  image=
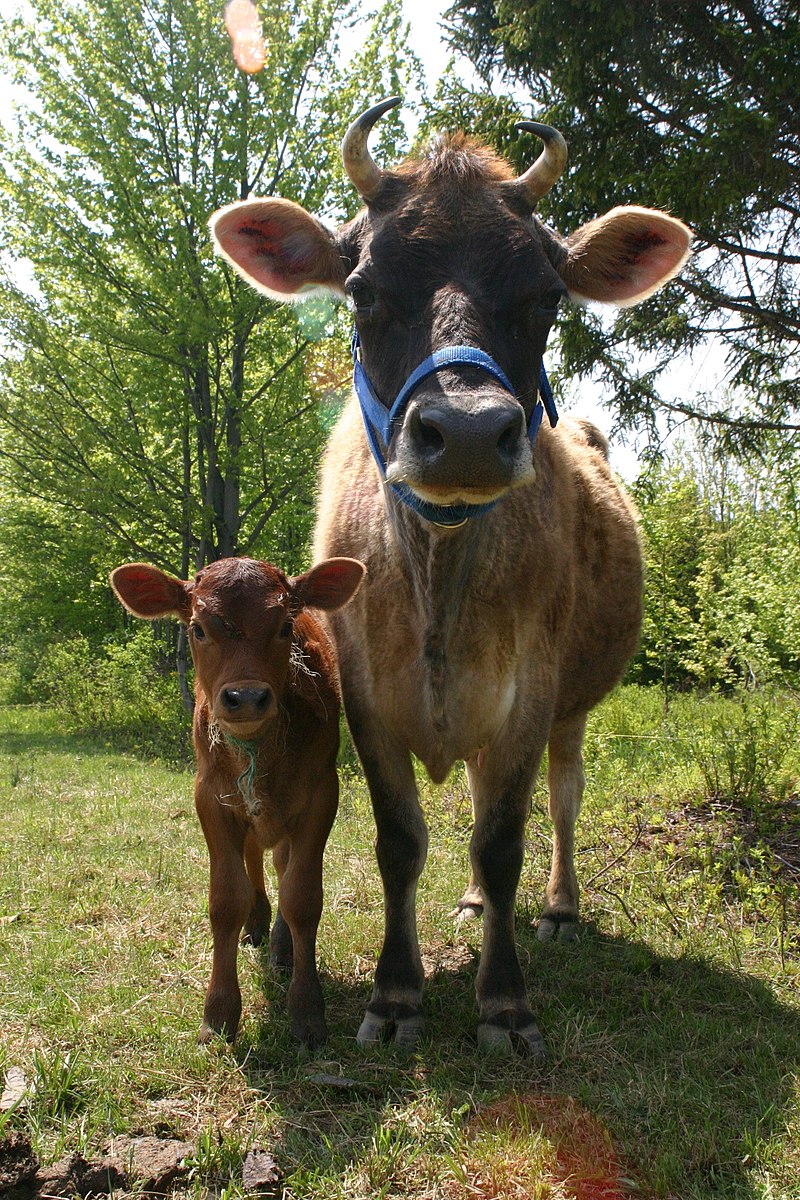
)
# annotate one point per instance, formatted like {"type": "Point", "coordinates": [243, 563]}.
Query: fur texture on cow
{"type": "Point", "coordinates": [266, 735]}
{"type": "Point", "coordinates": [489, 642]}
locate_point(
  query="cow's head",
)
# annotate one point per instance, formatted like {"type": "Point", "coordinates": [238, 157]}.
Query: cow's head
{"type": "Point", "coordinates": [448, 252]}
{"type": "Point", "coordinates": [240, 615]}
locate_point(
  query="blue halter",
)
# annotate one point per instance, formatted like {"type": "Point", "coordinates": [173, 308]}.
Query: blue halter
{"type": "Point", "coordinates": [380, 422]}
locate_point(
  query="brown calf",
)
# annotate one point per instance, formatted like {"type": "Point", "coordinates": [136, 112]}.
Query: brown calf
{"type": "Point", "coordinates": [266, 733]}
{"type": "Point", "coordinates": [504, 589]}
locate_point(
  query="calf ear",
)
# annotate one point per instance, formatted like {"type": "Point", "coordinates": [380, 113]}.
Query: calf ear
{"type": "Point", "coordinates": [329, 584]}
{"type": "Point", "coordinates": [625, 256]}
{"type": "Point", "coordinates": [278, 247]}
{"type": "Point", "coordinates": [147, 592]}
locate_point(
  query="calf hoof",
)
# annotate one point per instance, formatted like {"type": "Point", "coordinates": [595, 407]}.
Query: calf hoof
{"type": "Point", "coordinates": [556, 928]}
{"type": "Point", "coordinates": [507, 1039]}
{"type": "Point", "coordinates": [281, 948]}
{"type": "Point", "coordinates": [404, 1032]}
{"type": "Point", "coordinates": [311, 1031]}
{"type": "Point", "coordinates": [209, 1033]}
{"type": "Point", "coordinates": [256, 927]}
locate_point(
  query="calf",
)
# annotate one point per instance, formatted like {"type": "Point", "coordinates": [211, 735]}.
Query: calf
{"type": "Point", "coordinates": [266, 734]}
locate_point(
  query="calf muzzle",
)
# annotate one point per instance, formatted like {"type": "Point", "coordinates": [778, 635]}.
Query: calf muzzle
{"type": "Point", "coordinates": [244, 704]}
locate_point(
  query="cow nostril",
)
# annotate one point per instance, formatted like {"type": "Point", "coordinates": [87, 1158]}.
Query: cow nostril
{"type": "Point", "coordinates": [508, 440]}
{"type": "Point", "coordinates": [263, 699]}
{"type": "Point", "coordinates": [427, 431]}
{"type": "Point", "coordinates": [231, 699]}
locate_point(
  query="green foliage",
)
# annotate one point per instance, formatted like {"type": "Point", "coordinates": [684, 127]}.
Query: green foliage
{"type": "Point", "coordinates": [684, 106]}
{"type": "Point", "coordinates": [117, 691]}
{"type": "Point", "coordinates": [723, 556]}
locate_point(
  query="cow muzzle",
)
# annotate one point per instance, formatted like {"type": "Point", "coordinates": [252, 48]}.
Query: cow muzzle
{"type": "Point", "coordinates": [461, 449]}
{"type": "Point", "coordinates": [451, 457]}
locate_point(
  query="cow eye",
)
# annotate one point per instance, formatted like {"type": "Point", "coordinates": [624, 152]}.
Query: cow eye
{"type": "Point", "coordinates": [548, 305]}
{"type": "Point", "coordinates": [197, 632]}
{"type": "Point", "coordinates": [361, 297]}
{"type": "Point", "coordinates": [285, 630]}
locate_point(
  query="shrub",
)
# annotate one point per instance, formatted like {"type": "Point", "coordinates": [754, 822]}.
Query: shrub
{"type": "Point", "coordinates": [119, 691]}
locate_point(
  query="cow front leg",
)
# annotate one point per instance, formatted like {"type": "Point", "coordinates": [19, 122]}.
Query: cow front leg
{"type": "Point", "coordinates": [394, 1012]}
{"type": "Point", "coordinates": [565, 779]}
{"type": "Point", "coordinates": [506, 1021]}
{"type": "Point", "coordinates": [230, 900]}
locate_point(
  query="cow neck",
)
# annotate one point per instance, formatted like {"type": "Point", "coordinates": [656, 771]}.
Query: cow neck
{"type": "Point", "coordinates": [380, 422]}
{"type": "Point", "coordinates": [442, 573]}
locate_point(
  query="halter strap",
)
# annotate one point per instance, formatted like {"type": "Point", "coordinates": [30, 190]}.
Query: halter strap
{"type": "Point", "coordinates": [380, 422]}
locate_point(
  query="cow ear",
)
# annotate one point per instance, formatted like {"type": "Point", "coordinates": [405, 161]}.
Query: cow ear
{"type": "Point", "coordinates": [147, 592]}
{"type": "Point", "coordinates": [625, 256]}
{"type": "Point", "coordinates": [329, 584]}
{"type": "Point", "coordinates": [279, 248]}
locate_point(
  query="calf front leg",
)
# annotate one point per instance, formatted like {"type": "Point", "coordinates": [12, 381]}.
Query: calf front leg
{"type": "Point", "coordinates": [230, 899]}
{"type": "Point", "coordinates": [300, 891]}
{"type": "Point", "coordinates": [565, 779]}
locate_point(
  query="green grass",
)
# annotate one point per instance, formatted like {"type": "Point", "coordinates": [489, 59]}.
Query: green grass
{"type": "Point", "coordinates": [673, 1026]}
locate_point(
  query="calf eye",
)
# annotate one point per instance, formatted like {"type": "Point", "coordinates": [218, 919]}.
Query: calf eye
{"type": "Point", "coordinates": [197, 632]}
{"type": "Point", "coordinates": [285, 630]}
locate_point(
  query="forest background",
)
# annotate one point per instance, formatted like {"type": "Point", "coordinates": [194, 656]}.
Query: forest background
{"type": "Point", "coordinates": [153, 408]}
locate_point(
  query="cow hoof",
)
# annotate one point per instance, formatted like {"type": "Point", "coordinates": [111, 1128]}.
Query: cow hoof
{"type": "Point", "coordinates": [402, 1031]}
{"type": "Point", "coordinates": [466, 912]}
{"type": "Point", "coordinates": [557, 929]}
{"type": "Point", "coordinates": [527, 1041]}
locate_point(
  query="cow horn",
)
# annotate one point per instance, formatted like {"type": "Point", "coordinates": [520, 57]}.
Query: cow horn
{"type": "Point", "coordinates": [538, 179]}
{"type": "Point", "coordinates": [363, 172]}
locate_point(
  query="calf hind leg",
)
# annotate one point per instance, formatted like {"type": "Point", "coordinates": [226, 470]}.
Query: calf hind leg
{"type": "Point", "coordinates": [256, 927]}
{"type": "Point", "coordinates": [565, 779]}
{"type": "Point", "coordinates": [281, 950]}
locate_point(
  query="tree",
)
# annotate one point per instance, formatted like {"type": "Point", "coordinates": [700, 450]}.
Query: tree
{"type": "Point", "coordinates": [143, 385]}
{"type": "Point", "coordinates": [683, 104]}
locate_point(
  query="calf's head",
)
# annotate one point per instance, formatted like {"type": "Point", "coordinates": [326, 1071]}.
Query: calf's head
{"type": "Point", "coordinates": [448, 252]}
{"type": "Point", "coordinates": [240, 614]}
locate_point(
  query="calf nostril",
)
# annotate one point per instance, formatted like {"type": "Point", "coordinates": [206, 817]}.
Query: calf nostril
{"type": "Point", "coordinates": [236, 699]}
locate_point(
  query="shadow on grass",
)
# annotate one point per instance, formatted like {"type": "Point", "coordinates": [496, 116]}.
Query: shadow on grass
{"type": "Point", "coordinates": [685, 1066]}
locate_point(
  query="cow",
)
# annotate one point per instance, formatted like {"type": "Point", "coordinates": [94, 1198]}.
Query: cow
{"type": "Point", "coordinates": [266, 736]}
{"type": "Point", "coordinates": [504, 566]}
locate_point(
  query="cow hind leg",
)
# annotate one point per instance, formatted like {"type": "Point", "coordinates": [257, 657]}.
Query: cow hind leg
{"type": "Point", "coordinates": [559, 919]}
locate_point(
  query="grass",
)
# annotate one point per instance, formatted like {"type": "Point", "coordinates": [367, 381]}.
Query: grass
{"type": "Point", "coordinates": [673, 1026]}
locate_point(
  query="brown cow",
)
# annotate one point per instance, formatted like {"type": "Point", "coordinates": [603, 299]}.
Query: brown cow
{"type": "Point", "coordinates": [504, 591]}
{"type": "Point", "coordinates": [266, 734]}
